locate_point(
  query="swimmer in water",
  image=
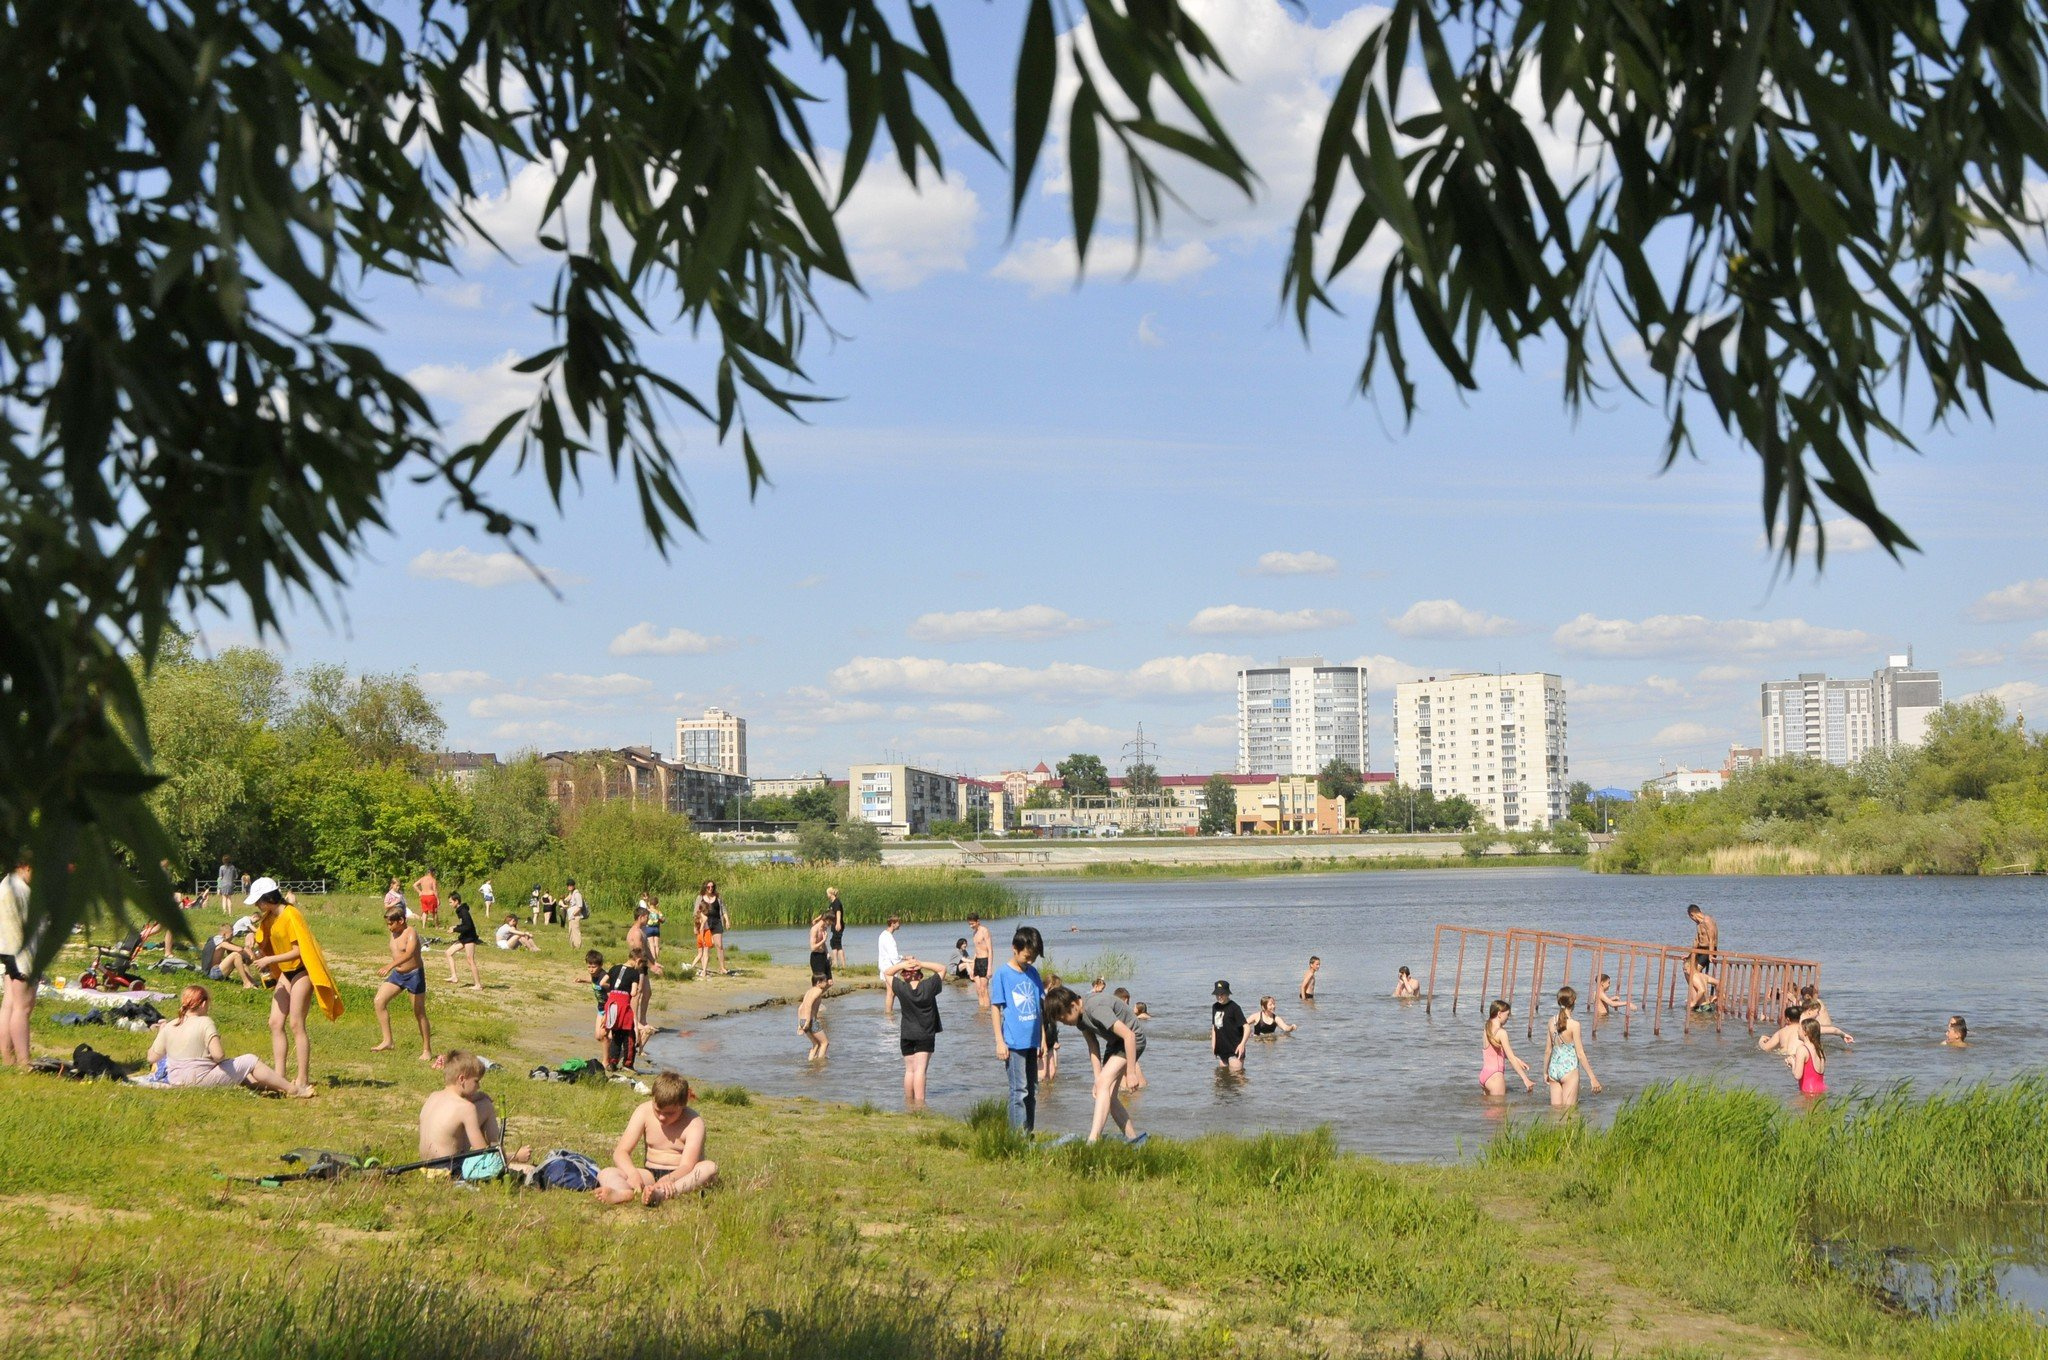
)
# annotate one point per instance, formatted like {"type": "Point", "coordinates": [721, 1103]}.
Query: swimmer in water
{"type": "Point", "coordinates": [1810, 1064]}
{"type": "Point", "coordinates": [1496, 1055]}
{"type": "Point", "coordinates": [1605, 1002]}
{"type": "Point", "coordinates": [1811, 1007]}
{"type": "Point", "coordinates": [1267, 1022]}
{"type": "Point", "coordinates": [1785, 1040]}
{"type": "Point", "coordinates": [1958, 1033]}
{"type": "Point", "coordinates": [1405, 985]}
{"type": "Point", "coordinates": [1308, 979]}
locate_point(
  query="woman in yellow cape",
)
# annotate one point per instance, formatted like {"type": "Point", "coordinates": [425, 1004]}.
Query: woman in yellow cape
{"type": "Point", "coordinates": [292, 957]}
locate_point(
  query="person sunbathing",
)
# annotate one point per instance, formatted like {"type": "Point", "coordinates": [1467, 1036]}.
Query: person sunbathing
{"type": "Point", "coordinates": [189, 1047]}
{"type": "Point", "coordinates": [674, 1137]}
{"type": "Point", "coordinates": [460, 1118]}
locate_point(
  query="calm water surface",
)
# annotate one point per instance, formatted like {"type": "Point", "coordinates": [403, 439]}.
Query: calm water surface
{"type": "Point", "coordinates": [1897, 955]}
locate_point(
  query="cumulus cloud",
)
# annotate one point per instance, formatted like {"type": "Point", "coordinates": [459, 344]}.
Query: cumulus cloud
{"type": "Point", "coordinates": [617, 684]}
{"type": "Point", "coordinates": [644, 639]}
{"type": "Point", "coordinates": [1449, 619]}
{"type": "Point", "coordinates": [1304, 563]}
{"type": "Point", "coordinates": [898, 234]}
{"type": "Point", "coordinates": [1044, 265]}
{"type": "Point", "coordinates": [2013, 603]}
{"type": "Point", "coordinates": [2018, 696]}
{"type": "Point", "coordinates": [1387, 670]}
{"type": "Point", "coordinates": [1031, 623]}
{"type": "Point", "coordinates": [966, 712]}
{"type": "Point", "coordinates": [454, 682]}
{"type": "Point", "coordinates": [1148, 334]}
{"type": "Point", "coordinates": [467, 296]}
{"type": "Point", "coordinates": [1209, 673]}
{"type": "Point", "coordinates": [473, 400]}
{"type": "Point", "coordinates": [1079, 732]}
{"type": "Point", "coordinates": [1247, 620]}
{"type": "Point", "coordinates": [1985, 656]}
{"type": "Point", "coordinates": [1697, 635]}
{"type": "Point", "coordinates": [1844, 535]}
{"type": "Point", "coordinates": [1682, 734]}
{"type": "Point", "coordinates": [469, 568]}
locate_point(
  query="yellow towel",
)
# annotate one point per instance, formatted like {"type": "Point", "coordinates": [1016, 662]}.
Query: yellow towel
{"type": "Point", "coordinates": [290, 929]}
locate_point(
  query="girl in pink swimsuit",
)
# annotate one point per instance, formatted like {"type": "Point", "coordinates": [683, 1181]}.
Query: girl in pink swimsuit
{"type": "Point", "coordinates": [1812, 1066]}
{"type": "Point", "coordinates": [1495, 1055]}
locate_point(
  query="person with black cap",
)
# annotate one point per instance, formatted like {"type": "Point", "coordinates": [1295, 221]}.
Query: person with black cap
{"type": "Point", "coordinates": [1226, 1024]}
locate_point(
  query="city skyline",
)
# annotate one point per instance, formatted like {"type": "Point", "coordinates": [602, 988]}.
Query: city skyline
{"type": "Point", "coordinates": [1042, 514]}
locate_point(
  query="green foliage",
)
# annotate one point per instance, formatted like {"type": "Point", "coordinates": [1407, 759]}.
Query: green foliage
{"type": "Point", "coordinates": [778, 895]}
{"type": "Point", "coordinates": [1973, 797]}
{"type": "Point", "coordinates": [1340, 779]}
{"type": "Point", "coordinates": [360, 825]}
{"type": "Point", "coordinates": [1083, 776]}
{"type": "Point", "coordinates": [615, 851]}
{"type": "Point", "coordinates": [1406, 809]}
{"type": "Point", "coordinates": [819, 804]}
{"type": "Point", "coordinates": [1219, 805]}
{"type": "Point", "coordinates": [950, 829]}
{"type": "Point", "coordinates": [1141, 781]}
{"type": "Point", "coordinates": [1043, 797]}
{"type": "Point", "coordinates": [860, 843]}
{"type": "Point", "coordinates": [817, 843]}
{"type": "Point", "coordinates": [511, 807]}
{"type": "Point", "coordinates": [1567, 837]}
{"type": "Point", "coordinates": [1477, 844]}
{"type": "Point", "coordinates": [767, 808]}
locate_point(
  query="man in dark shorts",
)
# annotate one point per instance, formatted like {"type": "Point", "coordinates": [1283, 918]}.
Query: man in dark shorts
{"type": "Point", "coordinates": [917, 985]}
{"type": "Point", "coordinates": [1226, 1023]}
{"type": "Point", "coordinates": [835, 917]}
{"type": "Point", "coordinates": [984, 956]}
{"type": "Point", "coordinates": [1699, 981]}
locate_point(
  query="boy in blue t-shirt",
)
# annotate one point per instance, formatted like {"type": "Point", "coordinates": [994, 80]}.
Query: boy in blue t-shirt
{"type": "Point", "coordinates": [1015, 994]}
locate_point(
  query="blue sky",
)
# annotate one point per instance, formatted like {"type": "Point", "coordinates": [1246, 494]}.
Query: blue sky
{"type": "Point", "coordinates": [1040, 515]}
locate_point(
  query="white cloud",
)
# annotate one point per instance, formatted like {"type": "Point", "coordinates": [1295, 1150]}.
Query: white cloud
{"type": "Point", "coordinates": [1044, 265]}
{"type": "Point", "coordinates": [1148, 334]}
{"type": "Point", "coordinates": [546, 734]}
{"type": "Point", "coordinates": [643, 639]}
{"type": "Point", "coordinates": [1979, 657]}
{"type": "Point", "coordinates": [1844, 536]}
{"type": "Point", "coordinates": [1387, 670]}
{"type": "Point", "coordinates": [2036, 645]}
{"type": "Point", "coordinates": [1729, 675]}
{"type": "Point", "coordinates": [1682, 734]}
{"type": "Point", "coordinates": [469, 568]}
{"type": "Point", "coordinates": [1031, 623]}
{"type": "Point", "coordinates": [2010, 604]}
{"type": "Point", "coordinates": [454, 682]}
{"type": "Point", "coordinates": [1209, 673]}
{"type": "Point", "coordinates": [1305, 563]}
{"type": "Point", "coordinates": [1079, 732]}
{"type": "Point", "coordinates": [963, 712]}
{"type": "Point", "coordinates": [1246, 620]}
{"type": "Point", "coordinates": [516, 705]}
{"type": "Point", "coordinates": [478, 397]}
{"type": "Point", "coordinates": [1696, 635]}
{"type": "Point", "coordinates": [2018, 696]}
{"type": "Point", "coordinates": [811, 582]}
{"type": "Point", "coordinates": [616, 685]}
{"type": "Point", "coordinates": [1449, 619]}
{"type": "Point", "coordinates": [467, 296]}
{"type": "Point", "coordinates": [898, 234]}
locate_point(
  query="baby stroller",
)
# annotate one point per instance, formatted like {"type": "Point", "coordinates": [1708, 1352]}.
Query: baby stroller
{"type": "Point", "coordinates": [114, 968]}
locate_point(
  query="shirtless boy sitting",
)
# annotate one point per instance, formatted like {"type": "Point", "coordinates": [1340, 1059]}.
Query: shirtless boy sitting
{"type": "Point", "coordinates": [459, 1117]}
{"type": "Point", "coordinates": [408, 974]}
{"type": "Point", "coordinates": [674, 1136]}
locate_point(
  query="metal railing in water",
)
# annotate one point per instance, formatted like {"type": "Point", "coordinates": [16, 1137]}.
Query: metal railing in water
{"type": "Point", "coordinates": [1650, 978]}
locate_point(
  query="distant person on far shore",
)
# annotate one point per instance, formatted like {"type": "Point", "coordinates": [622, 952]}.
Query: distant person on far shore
{"type": "Point", "coordinates": [1605, 1002]}
{"type": "Point", "coordinates": [1958, 1035]}
{"type": "Point", "coordinates": [810, 1015]}
{"type": "Point", "coordinates": [1308, 979]}
{"type": "Point", "coordinates": [1406, 987]}
{"type": "Point", "coordinates": [835, 916]}
{"type": "Point", "coordinates": [887, 952]}
{"type": "Point", "coordinates": [917, 985]}
{"type": "Point", "coordinates": [409, 975]}
{"type": "Point", "coordinates": [1497, 1055]}
{"type": "Point", "coordinates": [1227, 1030]}
{"type": "Point", "coordinates": [1700, 985]}
{"type": "Point", "coordinates": [1811, 1007]}
{"type": "Point", "coordinates": [1564, 1053]}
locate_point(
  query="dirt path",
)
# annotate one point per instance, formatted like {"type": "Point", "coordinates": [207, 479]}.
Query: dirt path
{"type": "Point", "coordinates": [1640, 1321]}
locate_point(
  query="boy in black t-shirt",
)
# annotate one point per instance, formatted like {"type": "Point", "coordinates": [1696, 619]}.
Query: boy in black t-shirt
{"type": "Point", "coordinates": [1226, 1022]}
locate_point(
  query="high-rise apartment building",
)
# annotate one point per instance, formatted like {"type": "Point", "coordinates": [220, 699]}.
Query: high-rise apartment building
{"type": "Point", "coordinates": [1298, 716]}
{"type": "Point", "coordinates": [718, 741]}
{"type": "Point", "coordinates": [1841, 721]}
{"type": "Point", "coordinates": [1496, 740]}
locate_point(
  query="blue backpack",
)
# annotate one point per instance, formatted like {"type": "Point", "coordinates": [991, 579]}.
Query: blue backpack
{"type": "Point", "coordinates": [562, 1169]}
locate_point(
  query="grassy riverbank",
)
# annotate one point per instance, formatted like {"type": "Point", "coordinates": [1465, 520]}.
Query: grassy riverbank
{"type": "Point", "coordinates": [849, 1232]}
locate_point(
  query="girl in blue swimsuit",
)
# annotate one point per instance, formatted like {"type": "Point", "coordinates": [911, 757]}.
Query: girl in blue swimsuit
{"type": "Point", "coordinates": [1564, 1054]}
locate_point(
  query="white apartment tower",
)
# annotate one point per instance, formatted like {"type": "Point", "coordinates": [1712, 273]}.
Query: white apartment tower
{"type": "Point", "coordinates": [1298, 716]}
{"type": "Point", "coordinates": [718, 741]}
{"type": "Point", "coordinates": [1841, 721]}
{"type": "Point", "coordinates": [1497, 740]}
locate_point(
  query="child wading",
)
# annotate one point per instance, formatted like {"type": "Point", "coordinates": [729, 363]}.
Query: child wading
{"type": "Point", "coordinates": [810, 1016]}
{"type": "Point", "coordinates": [1564, 1053]}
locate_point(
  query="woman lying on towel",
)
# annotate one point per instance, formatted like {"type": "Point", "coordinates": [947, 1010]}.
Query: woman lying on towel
{"type": "Point", "coordinates": [190, 1050]}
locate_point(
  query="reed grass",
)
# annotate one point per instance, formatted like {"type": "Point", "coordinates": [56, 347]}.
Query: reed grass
{"type": "Point", "coordinates": [781, 895]}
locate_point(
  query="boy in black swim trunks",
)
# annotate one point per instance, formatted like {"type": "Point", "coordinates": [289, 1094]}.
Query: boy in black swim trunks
{"type": "Point", "coordinates": [408, 974]}
{"type": "Point", "coordinates": [1700, 985]}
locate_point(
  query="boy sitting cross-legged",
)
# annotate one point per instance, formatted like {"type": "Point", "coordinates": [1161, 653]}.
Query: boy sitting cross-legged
{"type": "Point", "coordinates": [674, 1137]}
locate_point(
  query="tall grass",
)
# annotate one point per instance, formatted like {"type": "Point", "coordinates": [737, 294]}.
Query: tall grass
{"type": "Point", "coordinates": [784, 895]}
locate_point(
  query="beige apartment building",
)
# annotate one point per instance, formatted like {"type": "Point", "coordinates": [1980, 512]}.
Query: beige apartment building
{"type": "Point", "coordinates": [717, 741]}
{"type": "Point", "coordinates": [901, 800]}
{"type": "Point", "coordinates": [1497, 740]}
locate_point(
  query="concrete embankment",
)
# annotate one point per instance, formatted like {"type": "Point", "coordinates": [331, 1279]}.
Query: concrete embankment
{"type": "Point", "coordinates": [1009, 855]}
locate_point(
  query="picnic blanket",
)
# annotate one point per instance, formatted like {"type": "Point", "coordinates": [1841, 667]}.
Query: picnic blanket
{"type": "Point", "coordinates": [92, 997]}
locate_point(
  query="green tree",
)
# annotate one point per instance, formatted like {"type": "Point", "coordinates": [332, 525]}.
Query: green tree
{"type": "Point", "coordinates": [821, 803]}
{"type": "Point", "coordinates": [1042, 797]}
{"type": "Point", "coordinates": [860, 843]}
{"type": "Point", "coordinates": [212, 748]}
{"type": "Point", "coordinates": [1567, 837]}
{"type": "Point", "coordinates": [1970, 749]}
{"type": "Point", "coordinates": [1141, 781]}
{"type": "Point", "coordinates": [1476, 844]}
{"type": "Point", "coordinates": [511, 807]}
{"type": "Point", "coordinates": [379, 719]}
{"type": "Point", "coordinates": [950, 829]}
{"type": "Point", "coordinates": [767, 808]}
{"type": "Point", "coordinates": [1340, 779]}
{"type": "Point", "coordinates": [1452, 814]}
{"type": "Point", "coordinates": [1083, 776]}
{"type": "Point", "coordinates": [817, 843]}
{"type": "Point", "coordinates": [1371, 811]}
{"type": "Point", "coordinates": [1780, 208]}
{"type": "Point", "coordinates": [1219, 805]}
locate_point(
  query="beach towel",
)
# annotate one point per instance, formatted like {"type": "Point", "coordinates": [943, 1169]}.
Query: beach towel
{"type": "Point", "coordinates": [289, 929]}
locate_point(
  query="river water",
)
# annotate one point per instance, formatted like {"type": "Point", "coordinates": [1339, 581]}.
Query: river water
{"type": "Point", "coordinates": [1898, 956]}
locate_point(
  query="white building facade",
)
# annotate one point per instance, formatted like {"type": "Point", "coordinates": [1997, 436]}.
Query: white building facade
{"type": "Point", "coordinates": [1841, 721]}
{"type": "Point", "coordinates": [901, 800]}
{"type": "Point", "coordinates": [1298, 716]}
{"type": "Point", "coordinates": [1683, 783]}
{"type": "Point", "coordinates": [717, 740]}
{"type": "Point", "coordinates": [1497, 740]}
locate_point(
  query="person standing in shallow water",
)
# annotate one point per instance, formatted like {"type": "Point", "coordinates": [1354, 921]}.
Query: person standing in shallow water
{"type": "Point", "coordinates": [1706, 942]}
{"type": "Point", "coordinates": [917, 986]}
{"type": "Point", "coordinates": [1564, 1055]}
{"type": "Point", "coordinates": [1227, 1029]}
{"type": "Point", "coordinates": [1308, 979]}
{"type": "Point", "coordinates": [1497, 1055]}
